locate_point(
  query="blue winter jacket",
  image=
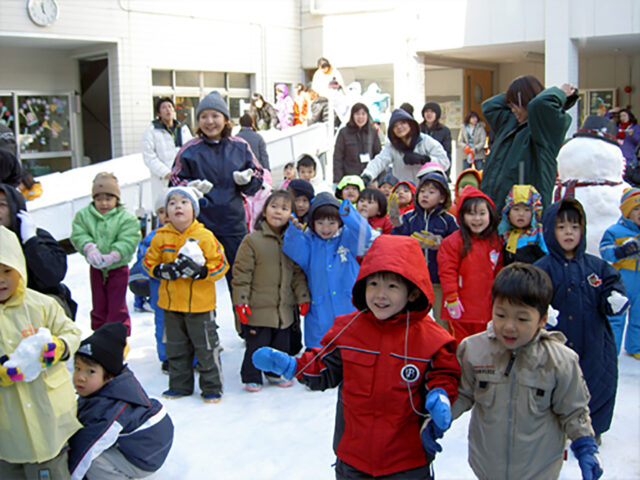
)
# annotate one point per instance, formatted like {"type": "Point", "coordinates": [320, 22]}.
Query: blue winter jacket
{"type": "Point", "coordinates": [438, 222]}
{"type": "Point", "coordinates": [330, 265]}
{"type": "Point", "coordinates": [581, 286]}
{"type": "Point", "coordinates": [222, 209]}
{"type": "Point", "coordinates": [121, 414]}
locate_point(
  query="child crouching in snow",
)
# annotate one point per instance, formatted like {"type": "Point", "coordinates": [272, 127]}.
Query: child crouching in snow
{"type": "Point", "coordinates": [391, 362]}
{"type": "Point", "coordinates": [187, 295]}
{"type": "Point", "coordinates": [126, 434]}
{"type": "Point", "coordinates": [267, 287]}
{"type": "Point", "coordinates": [39, 416]}
{"type": "Point", "coordinates": [517, 370]}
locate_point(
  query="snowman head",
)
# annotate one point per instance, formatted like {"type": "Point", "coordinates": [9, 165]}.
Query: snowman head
{"type": "Point", "coordinates": [592, 154]}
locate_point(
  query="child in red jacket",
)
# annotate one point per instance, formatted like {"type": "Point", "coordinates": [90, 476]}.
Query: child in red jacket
{"type": "Point", "coordinates": [468, 261]}
{"type": "Point", "coordinates": [384, 358]}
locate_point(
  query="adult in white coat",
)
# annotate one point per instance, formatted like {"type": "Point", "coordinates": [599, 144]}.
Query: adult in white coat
{"type": "Point", "coordinates": [161, 142]}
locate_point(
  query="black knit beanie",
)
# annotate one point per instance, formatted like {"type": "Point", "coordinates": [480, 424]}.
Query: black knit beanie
{"type": "Point", "coordinates": [106, 346]}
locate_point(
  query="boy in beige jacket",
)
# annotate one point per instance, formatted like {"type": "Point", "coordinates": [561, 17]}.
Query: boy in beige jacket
{"type": "Point", "coordinates": [525, 389]}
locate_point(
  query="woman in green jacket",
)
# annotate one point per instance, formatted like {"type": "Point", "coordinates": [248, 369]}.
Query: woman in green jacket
{"type": "Point", "coordinates": [530, 124]}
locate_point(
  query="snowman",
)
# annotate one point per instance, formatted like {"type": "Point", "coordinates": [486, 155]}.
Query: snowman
{"type": "Point", "coordinates": [590, 168]}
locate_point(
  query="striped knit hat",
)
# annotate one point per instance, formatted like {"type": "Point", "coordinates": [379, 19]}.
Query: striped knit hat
{"type": "Point", "coordinates": [630, 199]}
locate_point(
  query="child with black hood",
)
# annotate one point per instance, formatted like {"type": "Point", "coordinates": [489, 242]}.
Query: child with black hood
{"type": "Point", "coordinates": [46, 259]}
{"type": "Point", "coordinates": [431, 112]}
{"type": "Point", "coordinates": [406, 151]}
{"type": "Point", "coordinates": [303, 194]}
{"type": "Point", "coordinates": [126, 434]}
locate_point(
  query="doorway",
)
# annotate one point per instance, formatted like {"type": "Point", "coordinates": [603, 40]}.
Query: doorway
{"type": "Point", "coordinates": [96, 117]}
{"type": "Point", "coordinates": [477, 88]}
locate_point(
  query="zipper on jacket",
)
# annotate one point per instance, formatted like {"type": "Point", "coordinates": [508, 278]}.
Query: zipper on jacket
{"type": "Point", "coordinates": [510, 412]}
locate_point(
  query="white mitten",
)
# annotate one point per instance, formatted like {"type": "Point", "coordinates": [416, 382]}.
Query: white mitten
{"type": "Point", "coordinates": [203, 186]}
{"type": "Point", "coordinates": [617, 302]}
{"type": "Point", "coordinates": [552, 316]}
{"type": "Point", "coordinates": [27, 354]}
{"type": "Point", "coordinates": [242, 177]}
{"type": "Point", "coordinates": [27, 226]}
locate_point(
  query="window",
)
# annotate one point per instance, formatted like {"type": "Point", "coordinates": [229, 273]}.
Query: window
{"type": "Point", "coordinates": [187, 87]}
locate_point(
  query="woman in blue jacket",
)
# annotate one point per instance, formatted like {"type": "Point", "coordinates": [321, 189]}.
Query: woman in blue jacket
{"type": "Point", "coordinates": [228, 163]}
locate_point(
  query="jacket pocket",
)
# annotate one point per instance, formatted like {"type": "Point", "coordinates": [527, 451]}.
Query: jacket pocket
{"type": "Point", "coordinates": [485, 392]}
{"type": "Point", "coordinates": [358, 367]}
{"type": "Point", "coordinates": [59, 390]}
{"type": "Point", "coordinates": [538, 394]}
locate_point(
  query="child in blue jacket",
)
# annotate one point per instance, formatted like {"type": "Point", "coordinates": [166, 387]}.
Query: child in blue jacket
{"type": "Point", "coordinates": [586, 290]}
{"type": "Point", "coordinates": [429, 223]}
{"type": "Point", "coordinates": [620, 245]}
{"type": "Point", "coordinates": [521, 227]}
{"type": "Point", "coordinates": [327, 253]}
{"type": "Point", "coordinates": [126, 434]}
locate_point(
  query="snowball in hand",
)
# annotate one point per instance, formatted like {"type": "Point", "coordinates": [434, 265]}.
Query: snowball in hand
{"type": "Point", "coordinates": [192, 250]}
{"type": "Point", "coordinates": [27, 354]}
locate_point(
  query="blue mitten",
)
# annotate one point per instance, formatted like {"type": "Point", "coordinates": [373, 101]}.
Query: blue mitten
{"type": "Point", "coordinates": [439, 407]}
{"type": "Point", "coordinates": [271, 360]}
{"type": "Point", "coordinates": [429, 434]}
{"type": "Point", "coordinates": [586, 451]}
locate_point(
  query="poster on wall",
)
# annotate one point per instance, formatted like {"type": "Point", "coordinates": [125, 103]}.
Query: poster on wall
{"type": "Point", "coordinates": [6, 111]}
{"type": "Point", "coordinates": [43, 123]}
{"type": "Point", "coordinates": [601, 100]}
{"type": "Point", "coordinates": [452, 113]}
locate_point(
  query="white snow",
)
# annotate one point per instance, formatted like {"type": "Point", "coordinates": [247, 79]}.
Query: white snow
{"type": "Point", "coordinates": [27, 355]}
{"type": "Point", "coordinates": [287, 433]}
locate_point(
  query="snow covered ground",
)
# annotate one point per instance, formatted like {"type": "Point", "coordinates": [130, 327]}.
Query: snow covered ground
{"type": "Point", "coordinates": [287, 433]}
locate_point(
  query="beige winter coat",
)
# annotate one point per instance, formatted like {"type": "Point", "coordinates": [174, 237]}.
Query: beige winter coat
{"type": "Point", "coordinates": [267, 280]}
{"type": "Point", "coordinates": [524, 403]}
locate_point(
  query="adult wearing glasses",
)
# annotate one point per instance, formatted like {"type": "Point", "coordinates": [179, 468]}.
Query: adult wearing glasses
{"type": "Point", "coordinates": [530, 123]}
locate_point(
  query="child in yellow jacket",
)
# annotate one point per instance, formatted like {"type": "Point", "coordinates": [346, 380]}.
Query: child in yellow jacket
{"type": "Point", "coordinates": [188, 260]}
{"type": "Point", "coordinates": [37, 403]}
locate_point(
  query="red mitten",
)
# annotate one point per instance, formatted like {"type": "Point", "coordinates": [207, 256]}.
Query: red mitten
{"type": "Point", "coordinates": [243, 312]}
{"type": "Point", "coordinates": [304, 308]}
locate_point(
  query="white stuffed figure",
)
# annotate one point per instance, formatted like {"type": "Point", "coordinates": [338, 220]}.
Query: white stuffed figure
{"type": "Point", "coordinates": [590, 169]}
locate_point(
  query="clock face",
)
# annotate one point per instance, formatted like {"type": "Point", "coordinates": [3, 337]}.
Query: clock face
{"type": "Point", "coordinates": [42, 12]}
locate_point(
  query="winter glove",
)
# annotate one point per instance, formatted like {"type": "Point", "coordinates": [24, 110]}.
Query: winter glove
{"type": "Point", "coordinates": [93, 255]}
{"type": "Point", "coordinates": [27, 227]}
{"type": "Point", "coordinates": [188, 267]}
{"type": "Point", "coordinates": [438, 405]}
{"type": "Point", "coordinates": [243, 312]}
{"type": "Point", "coordinates": [304, 308]}
{"type": "Point", "coordinates": [242, 177]}
{"type": "Point", "coordinates": [585, 450]}
{"type": "Point", "coordinates": [203, 186]}
{"type": "Point", "coordinates": [166, 271]}
{"type": "Point", "coordinates": [110, 259]}
{"type": "Point", "coordinates": [366, 179]}
{"type": "Point", "coordinates": [411, 158]}
{"type": "Point", "coordinates": [468, 151]}
{"type": "Point", "coordinates": [269, 359]}
{"type": "Point", "coordinates": [618, 302]}
{"type": "Point", "coordinates": [345, 207]}
{"type": "Point", "coordinates": [5, 379]}
{"type": "Point", "coordinates": [429, 434]}
{"type": "Point", "coordinates": [627, 249]}
{"type": "Point", "coordinates": [53, 352]}
{"type": "Point", "coordinates": [454, 308]}
{"type": "Point", "coordinates": [393, 210]}
{"type": "Point", "coordinates": [427, 239]}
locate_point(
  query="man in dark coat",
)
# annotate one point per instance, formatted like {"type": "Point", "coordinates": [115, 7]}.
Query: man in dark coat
{"type": "Point", "coordinates": [254, 139]}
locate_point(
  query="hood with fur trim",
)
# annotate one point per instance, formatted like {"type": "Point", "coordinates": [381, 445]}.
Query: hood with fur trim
{"type": "Point", "coordinates": [401, 255]}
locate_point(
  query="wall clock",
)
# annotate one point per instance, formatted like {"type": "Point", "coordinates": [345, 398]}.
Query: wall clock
{"type": "Point", "coordinates": [42, 12]}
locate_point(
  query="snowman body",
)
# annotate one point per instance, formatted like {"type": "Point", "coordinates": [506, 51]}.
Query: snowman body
{"type": "Point", "coordinates": [596, 167]}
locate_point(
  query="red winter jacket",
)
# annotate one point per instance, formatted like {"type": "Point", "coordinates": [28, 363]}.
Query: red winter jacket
{"type": "Point", "coordinates": [377, 430]}
{"type": "Point", "coordinates": [381, 224]}
{"type": "Point", "coordinates": [469, 278]}
{"type": "Point", "coordinates": [410, 205]}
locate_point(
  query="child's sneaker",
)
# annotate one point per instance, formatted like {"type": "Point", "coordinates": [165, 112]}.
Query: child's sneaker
{"type": "Point", "coordinates": [279, 381]}
{"type": "Point", "coordinates": [253, 387]}
{"type": "Point", "coordinates": [172, 394]}
{"type": "Point", "coordinates": [212, 397]}
{"type": "Point", "coordinates": [165, 367]}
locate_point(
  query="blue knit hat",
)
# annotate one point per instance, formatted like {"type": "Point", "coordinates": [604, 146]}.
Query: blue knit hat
{"type": "Point", "coordinates": [213, 101]}
{"type": "Point", "coordinates": [191, 193]}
